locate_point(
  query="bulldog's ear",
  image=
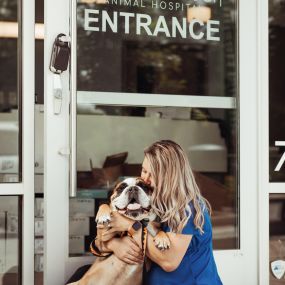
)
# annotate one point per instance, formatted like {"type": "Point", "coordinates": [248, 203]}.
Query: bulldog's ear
{"type": "Point", "coordinates": [146, 187]}
{"type": "Point", "coordinates": [139, 179]}
{"type": "Point", "coordinates": [149, 189]}
{"type": "Point", "coordinates": [118, 189]}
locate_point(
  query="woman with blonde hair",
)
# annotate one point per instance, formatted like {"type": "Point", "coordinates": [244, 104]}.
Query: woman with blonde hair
{"type": "Point", "coordinates": [185, 216]}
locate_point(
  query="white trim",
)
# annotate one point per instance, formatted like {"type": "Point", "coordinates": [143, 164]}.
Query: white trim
{"type": "Point", "coordinates": [11, 189]}
{"type": "Point", "coordinates": [28, 91]}
{"type": "Point", "coordinates": [135, 99]}
{"type": "Point", "coordinates": [26, 188]}
{"type": "Point", "coordinates": [247, 148]}
{"type": "Point", "coordinates": [276, 188]}
{"type": "Point", "coordinates": [56, 137]}
{"type": "Point", "coordinates": [263, 138]}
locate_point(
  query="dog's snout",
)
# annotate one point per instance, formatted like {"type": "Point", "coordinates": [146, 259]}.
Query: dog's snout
{"type": "Point", "coordinates": [133, 192]}
{"type": "Point", "coordinates": [133, 189]}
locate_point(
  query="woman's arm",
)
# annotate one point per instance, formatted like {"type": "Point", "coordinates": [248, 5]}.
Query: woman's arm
{"type": "Point", "coordinates": [169, 259]}
{"type": "Point", "coordinates": [125, 248]}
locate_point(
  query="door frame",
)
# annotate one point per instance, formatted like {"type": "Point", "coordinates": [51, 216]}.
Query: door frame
{"type": "Point", "coordinates": [25, 189]}
{"type": "Point", "coordinates": [57, 134]}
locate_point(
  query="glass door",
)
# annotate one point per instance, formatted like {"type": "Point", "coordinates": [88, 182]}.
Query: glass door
{"type": "Point", "coordinates": [16, 142]}
{"type": "Point", "coordinates": [140, 72]}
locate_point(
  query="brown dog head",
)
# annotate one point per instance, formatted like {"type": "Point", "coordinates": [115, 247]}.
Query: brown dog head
{"type": "Point", "coordinates": [132, 198]}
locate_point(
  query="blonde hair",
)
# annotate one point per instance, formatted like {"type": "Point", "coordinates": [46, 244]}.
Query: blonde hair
{"type": "Point", "coordinates": [174, 186]}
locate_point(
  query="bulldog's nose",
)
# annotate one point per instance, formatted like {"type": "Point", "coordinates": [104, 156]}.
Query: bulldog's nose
{"type": "Point", "coordinates": [133, 192]}
{"type": "Point", "coordinates": [133, 189]}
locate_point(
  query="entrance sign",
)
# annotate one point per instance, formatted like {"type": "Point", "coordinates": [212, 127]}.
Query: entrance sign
{"type": "Point", "coordinates": [157, 47]}
{"type": "Point", "coordinates": [144, 22]}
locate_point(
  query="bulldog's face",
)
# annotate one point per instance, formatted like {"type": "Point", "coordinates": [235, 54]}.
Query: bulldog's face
{"type": "Point", "coordinates": [132, 198]}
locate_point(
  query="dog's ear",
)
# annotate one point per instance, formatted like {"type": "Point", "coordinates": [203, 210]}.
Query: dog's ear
{"type": "Point", "coordinates": [118, 189]}
{"type": "Point", "coordinates": [146, 187]}
{"type": "Point", "coordinates": [139, 179]}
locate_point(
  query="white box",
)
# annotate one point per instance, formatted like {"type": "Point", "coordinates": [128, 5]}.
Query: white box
{"type": "Point", "coordinates": [9, 164]}
{"type": "Point", "coordinates": [39, 263]}
{"type": "Point", "coordinates": [9, 204]}
{"type": "Point", "coordinates": [39, 207]}
{"type": "Point", "coordinates": [181, 113]}
{"type": "Point", "coordinates": [39, 245]}
{"type": "Point", "coordinates": [10, 178]}
{"type": "Point", "coordinates": [39, 227]}
{"type": "Point", "coordinates": [12, 223]}
{"type": "Point", "coordinates": [79, 226]}
{"type": "Point", "coordinates": [39, 183]}
{"type": "Point", "coordinates": [76, 245]}
{"type": "Point", "coordinates": [81, 207]}
{"type": "Point", "coordinates": [12, 253]}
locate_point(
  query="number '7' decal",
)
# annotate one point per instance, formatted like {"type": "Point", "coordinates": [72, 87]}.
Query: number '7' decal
{"type": "Point", "coordinates": [282, 159]}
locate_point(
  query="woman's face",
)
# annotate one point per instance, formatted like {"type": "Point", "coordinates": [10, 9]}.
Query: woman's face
{"type": "Point", "coordinates": [146, 173]}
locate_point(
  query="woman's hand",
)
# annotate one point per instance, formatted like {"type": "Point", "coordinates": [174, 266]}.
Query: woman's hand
{"type": "Point", "coordinates": [103, 233]}
{"type": "Point", "coordinates": [126, 249]}
{"type": "Point", "coordinates": [118, 223]}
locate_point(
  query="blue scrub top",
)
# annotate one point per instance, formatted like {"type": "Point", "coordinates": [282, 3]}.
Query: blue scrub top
{"type": "Point", "coordinates": [198, 266]}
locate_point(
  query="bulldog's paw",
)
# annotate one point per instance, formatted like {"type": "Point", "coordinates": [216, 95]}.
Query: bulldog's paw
{"type": "Point", "coordinates": [104, 215]}
{"type": "Point", "coordinates": [162, 241]}
{"type": "Point", "coordinates": [104, 219]}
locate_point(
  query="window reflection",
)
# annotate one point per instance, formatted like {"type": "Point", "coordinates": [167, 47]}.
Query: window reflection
{"type": "Point", "coordinates": [110, 146]}
{"type": "Point", "coordinates": [170, 61]}
{"type": "Point", "coordinates": [9, 240]}
{"type": "Point", "coordinates": [9, 117]}
{"type": "Point", "coordinates": [276, 90]}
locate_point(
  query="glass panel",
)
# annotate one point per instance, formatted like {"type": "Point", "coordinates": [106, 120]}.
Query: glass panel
{"type": "Point", "coordinates": [39, 230]}
{"type": "Point", "coordinates": [39, 136]}
{"type": "Point", "coordinates": [9, 90]}
{"type": "Point", "coordinates": [277, 238]}
{"type": "Point", "coordinates": [276, 91]}
{"type": "Point", "coordinates": [159, 47]}
{"type": "Point", "coordinates": [9, 240]}
{"type": "Point", "coordinates": [209, 137]}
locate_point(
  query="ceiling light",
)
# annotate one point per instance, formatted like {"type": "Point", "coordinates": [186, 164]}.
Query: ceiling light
{"type": "Point", "coordinates": [39, 31]}
{"type": "Point", "coordinates": [10, 30]}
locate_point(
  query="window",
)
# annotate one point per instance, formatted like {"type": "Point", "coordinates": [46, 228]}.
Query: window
{"type": "Point", "coordinates": [10, 227]}
{"type": "Point", "coordinates": [154, 71]}
{"type": "Point", "coordinates": [276, 91]}
{"type": "Point", "coordinates": [10, 143]}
